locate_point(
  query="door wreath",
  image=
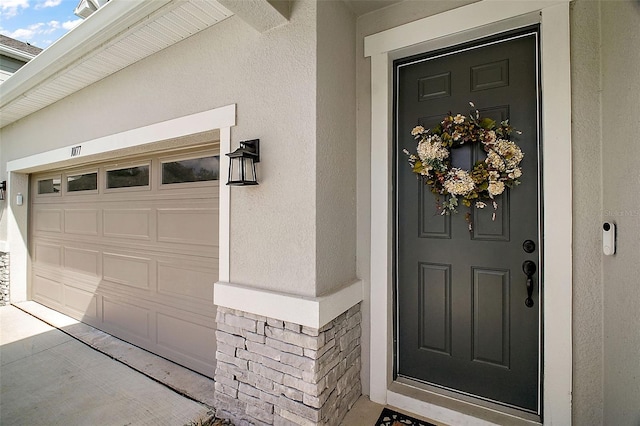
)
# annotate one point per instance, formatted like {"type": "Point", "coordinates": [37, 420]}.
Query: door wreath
{"type": "Point", "coordinates": [487, 179]}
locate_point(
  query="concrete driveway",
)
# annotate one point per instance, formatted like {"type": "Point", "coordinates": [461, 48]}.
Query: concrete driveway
{"type": "Point", "coordinates": [48, 377]}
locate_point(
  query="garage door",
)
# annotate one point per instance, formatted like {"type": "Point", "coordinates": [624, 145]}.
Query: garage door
{"type": "Point", "coordinates": [131, 247]}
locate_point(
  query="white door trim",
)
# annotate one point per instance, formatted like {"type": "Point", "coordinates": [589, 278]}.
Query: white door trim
{"type": "Point", "coordinates": [473, 21]}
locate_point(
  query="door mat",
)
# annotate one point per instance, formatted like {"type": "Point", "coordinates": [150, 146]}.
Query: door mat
{"type": "Point", "coordinates": [393, 418]}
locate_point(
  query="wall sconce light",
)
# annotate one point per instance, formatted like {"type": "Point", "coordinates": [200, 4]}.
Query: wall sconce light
{"type": "Point", "coordinates": [3, 188]}
{"type": "Point", "coordinates": [242, 163]}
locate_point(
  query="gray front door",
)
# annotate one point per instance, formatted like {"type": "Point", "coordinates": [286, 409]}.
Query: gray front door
{"type": "Point", "coordinates": [462, 323]}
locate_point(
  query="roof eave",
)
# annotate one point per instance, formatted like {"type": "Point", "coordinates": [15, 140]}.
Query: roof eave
{"type": "Point", "coordinates": [16, 53]}
{"type": "Point", "coordinates": [106, 23]}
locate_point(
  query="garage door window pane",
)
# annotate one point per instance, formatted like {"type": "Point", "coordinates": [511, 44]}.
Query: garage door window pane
{"type": "Point", "coordinates": [49, 186]}
{"type": "Point", "coordinates": [129, 177]}
{"type": "Point", "coordinates": [192, 170]}
{"type": "Point", "coordinates": [85, 182]}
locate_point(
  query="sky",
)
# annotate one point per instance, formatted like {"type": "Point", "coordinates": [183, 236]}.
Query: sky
{"type": "Point", "coordinates": [37, 22]}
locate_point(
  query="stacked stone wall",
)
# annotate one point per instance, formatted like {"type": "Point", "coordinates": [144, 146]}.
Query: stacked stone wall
{"type": "Point", "coordinates": [271, 372]}
{"type": "Point", "coordinates": [4, 279]}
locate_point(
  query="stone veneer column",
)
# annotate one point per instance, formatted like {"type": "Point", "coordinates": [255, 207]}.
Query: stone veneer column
{"type": "Point", "coordinates": [271, 372]}
{"type": "Point", "coordinates": [4, 279]}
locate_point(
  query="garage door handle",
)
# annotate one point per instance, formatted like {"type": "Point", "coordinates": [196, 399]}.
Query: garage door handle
{"type": "Point", "coordinates": [529, 268]}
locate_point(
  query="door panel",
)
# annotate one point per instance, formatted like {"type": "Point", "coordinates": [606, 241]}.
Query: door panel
{"type": "Point", "coordinates": [491, 316]}
{"type": "Point", "coordinates": [462, 323]}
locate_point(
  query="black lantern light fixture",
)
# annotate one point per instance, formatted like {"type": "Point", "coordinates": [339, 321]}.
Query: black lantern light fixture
{"type": "Point", "coordinates": [242, 163]}
{"type": "Point", "coordinates": [3, 188]}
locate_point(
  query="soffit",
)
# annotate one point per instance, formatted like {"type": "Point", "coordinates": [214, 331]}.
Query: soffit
{"type": "Point", "coordinates": [114, 37]}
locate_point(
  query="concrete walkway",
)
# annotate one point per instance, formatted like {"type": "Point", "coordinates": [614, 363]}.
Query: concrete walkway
{"type": "Point", "coordinates": [83, 376]}
{"type": "Point", "coordinates": [49, 378]}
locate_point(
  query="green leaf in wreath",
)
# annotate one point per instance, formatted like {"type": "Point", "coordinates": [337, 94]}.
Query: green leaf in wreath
{"type": "Point", "coordinates": [487, 123]}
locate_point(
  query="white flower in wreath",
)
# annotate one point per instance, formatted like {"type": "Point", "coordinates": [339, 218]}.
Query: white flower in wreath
{"type": "Point", "coordinates": [417, 131]}
{"type": "Point", "coordinates": [489, 137]}
{"type": "Point", "coordinates": [495, 161]}
{"type": "Point", "coordinates": [496, 188]}
{"type": "Point", "coordinates": [459, 119]}
{"type": "Point", "coordinates": [459, 182]}
{"type": "Point", "coordinates": [430, 149]}
{"type": "Point", "coordinates": [510, 152]}
{"type": "Point", "coordinates": [515, 173]}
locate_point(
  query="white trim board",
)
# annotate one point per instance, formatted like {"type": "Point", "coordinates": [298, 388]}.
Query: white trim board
{"type": "Point", "coordinates": [312, 312]}
{"type": "Point", "coordinates": [178, 127]}
{"type": "Point", "coordinates": [476, 15]}
{"type": "Point", "coordinates": [449, 28]}
{"type": "Point", "coordinates": [224, 216]}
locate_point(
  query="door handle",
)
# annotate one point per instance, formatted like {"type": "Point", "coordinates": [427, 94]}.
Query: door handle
{"type": "Point", "coordinates": [529, 268]}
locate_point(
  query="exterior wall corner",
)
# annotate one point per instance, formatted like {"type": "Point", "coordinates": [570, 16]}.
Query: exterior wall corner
{"type": "Point", "coordinates": [271, 371]}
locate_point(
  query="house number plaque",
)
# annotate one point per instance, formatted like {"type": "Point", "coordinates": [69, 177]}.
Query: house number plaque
{"type": "Point", "coordinates": [75, 151]}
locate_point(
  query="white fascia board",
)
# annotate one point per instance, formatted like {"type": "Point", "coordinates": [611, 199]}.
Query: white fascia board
{"type": "Point", "coordinates": [112, 19]}
{"type": "Point", "coordinates": [312, 312]}
{"type": "Point", "coordinates": [16, 53]}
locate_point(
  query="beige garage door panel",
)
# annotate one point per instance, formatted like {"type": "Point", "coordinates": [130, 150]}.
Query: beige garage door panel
{"type": "Point", "coordinates": [81, 222]}
{"type": "Point", "coordinates": [186, 280]}
{"type": "Point", "coordinates": [48, 220]}
{"type": "Point", "coordinates": [129, 271]}
{"type": "Point", "coordinates": [48, 254]}
{"type": "Point", "coordinates": [127, 319]}
{"type": "Point", "coordinates": [127, 223]}
{"type": "Point", "coordinates": [188, 226]}
{"type": "Point", "coordinates": [137, 262]}
{"type": "Point", "coordinates": [47, 291]}
{"type": "Point", "coordinates": [193, 343]}
{"type": "Point", "coordinates": [83, 303]}
{"type": "Point", "coordinates": [85, 261]}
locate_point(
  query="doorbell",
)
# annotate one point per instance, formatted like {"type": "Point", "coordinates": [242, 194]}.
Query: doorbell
{"type": "Point", "coordinates": [609, 238]}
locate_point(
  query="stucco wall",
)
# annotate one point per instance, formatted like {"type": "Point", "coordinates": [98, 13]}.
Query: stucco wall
{"type": "Point", "coordinates": [587, 197]}
{"type": "Point", "coordinates": [620, 26]}
{"type": "Point", "coordinates": [336, 147]}
{"type": "Point", "coordinates": [271, 77]}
